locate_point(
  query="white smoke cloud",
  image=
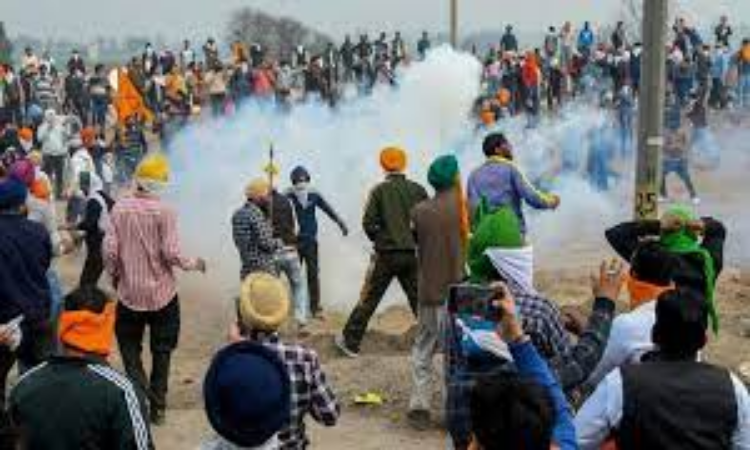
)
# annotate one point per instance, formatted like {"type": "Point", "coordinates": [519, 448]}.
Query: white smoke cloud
{"type": "Point", "coordinates": [213, 161]}
{"type": "Point", "coordinates": [428, 115]}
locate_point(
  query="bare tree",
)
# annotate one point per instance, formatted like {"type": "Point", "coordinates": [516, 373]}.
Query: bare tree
{"type": "Point", "coordinates": [277, 35]}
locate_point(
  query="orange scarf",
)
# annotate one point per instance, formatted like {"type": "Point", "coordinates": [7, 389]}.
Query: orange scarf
{"type": "Point", "coordinates": [463, 210]}
{"type": "Point", "coordinates": [87, 331]}
{"type": "Point", "coordinates": [642, 292]}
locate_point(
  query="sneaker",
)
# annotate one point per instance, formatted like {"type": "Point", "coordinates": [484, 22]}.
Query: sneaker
{"type": "Point", "coordinates": [158, 417]}
{"type": "Point", "coordinates": [340, 342]}
{"type": "Point", "coordinates": [419, 419]}
{"type": "Point", "coordinates": [696, 201]}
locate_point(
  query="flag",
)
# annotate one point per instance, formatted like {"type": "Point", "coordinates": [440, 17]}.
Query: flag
{"type": "Point", "coordinates": [129, 101]}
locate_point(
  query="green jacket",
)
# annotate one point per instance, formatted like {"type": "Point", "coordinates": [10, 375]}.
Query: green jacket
{"type": "Point", "coordinates": [71, 403]}
{"type": "Point", "coordinates": [387, 216]}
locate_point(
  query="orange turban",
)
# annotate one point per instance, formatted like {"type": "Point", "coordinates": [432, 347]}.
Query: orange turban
{"type": "Point", "coordinates": [26, 134]}
{"type": "Point", "coordinates": [40, 189]}
{"type": "Point", "coordinates": [393, 159]}
{"type": "Point", "coordinates": [87, 331]}
{"type": "Point", "coordinates": [88, 136]}
{"type": "Point", "coordinates": [503, 96]}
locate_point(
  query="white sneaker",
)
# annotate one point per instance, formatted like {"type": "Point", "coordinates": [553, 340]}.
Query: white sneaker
{"type": "Point", "coordinates": [341, 345]}
{"type": "Point", "coordinates": [696, 201]}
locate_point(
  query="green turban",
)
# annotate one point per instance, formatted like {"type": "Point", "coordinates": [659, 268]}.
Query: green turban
{"type": "Point", "coordinates": [443, 173]}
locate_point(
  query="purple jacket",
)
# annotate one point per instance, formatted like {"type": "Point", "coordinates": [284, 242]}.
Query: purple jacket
{"type": "Point", "coordinates": [501, 183]}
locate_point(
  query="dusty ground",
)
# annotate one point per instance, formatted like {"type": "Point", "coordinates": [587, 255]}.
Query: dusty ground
{"type": "Point", "coordinates": [384, 366]}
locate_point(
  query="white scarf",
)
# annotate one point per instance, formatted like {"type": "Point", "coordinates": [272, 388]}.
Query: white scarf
{"type": "Point", "coordinates": [302, 192]}
{"type": "Point", "coordinates": [515, 265]}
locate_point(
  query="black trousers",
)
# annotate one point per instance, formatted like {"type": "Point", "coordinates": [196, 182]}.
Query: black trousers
{"type": "Point", "coordinates": [164, 331]}
{"type": "Point", "coordinates": [384, 267]}
{"type": "Point", "coordinates": [36, 346]}
{"type": "Point", "coordinates": [308, 254]}
{"type": "Point", "coordinates": [93, 267]}
{"type": "Point", "coordinates": [54, 166]}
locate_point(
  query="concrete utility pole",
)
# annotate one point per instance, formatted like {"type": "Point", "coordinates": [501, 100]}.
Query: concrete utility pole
{"type": "Point", "coordinates": [651, 109]}
{"type": "Point", "coordinates": [454, 23]}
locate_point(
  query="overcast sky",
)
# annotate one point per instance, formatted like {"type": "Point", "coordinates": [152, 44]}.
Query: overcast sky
{"type": "Point", "coordinates": [198, 18]}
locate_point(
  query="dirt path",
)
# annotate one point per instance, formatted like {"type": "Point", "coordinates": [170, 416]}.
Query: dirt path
{"type": "Point", "coordinates": [383, 368]}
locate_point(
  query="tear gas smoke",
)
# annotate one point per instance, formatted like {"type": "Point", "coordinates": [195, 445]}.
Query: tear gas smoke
{"type": "Point", "coordinates": [428, 115]}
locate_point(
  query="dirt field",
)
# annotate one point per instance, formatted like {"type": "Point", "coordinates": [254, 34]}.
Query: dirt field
{"type": "Point", "coordinates": [384, 366]}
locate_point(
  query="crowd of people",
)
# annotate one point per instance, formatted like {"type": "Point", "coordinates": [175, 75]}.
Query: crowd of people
{"type": "Point", "coordinates": [704, 76]}
{"type": "Point", "coordinates": [519, 372]}
{"type": "Point", "coordinates": [53, 106]}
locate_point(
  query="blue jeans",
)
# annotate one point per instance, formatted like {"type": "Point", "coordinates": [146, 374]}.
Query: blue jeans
{"type": "Point", "coordinates": [56, 294]}
{"type": "Point", "coordinates": [626, 134]}
{"type": "Point", "coordinates": [599, 171]}
{"type": "Point", "coordinates": [705, 147]}
{"type": "Point", "coordinates": [680, 168]}
{"type": "Point", "coordinates": [75, 210]}
{"type": "Point", "coordinates": [743, 91]}
{"type": "Point", "coordinates": [127, 162]}
{"type": "Point", "coordinates": [99, 111]}
{"type": "Point", "coordinates": [288, 263]}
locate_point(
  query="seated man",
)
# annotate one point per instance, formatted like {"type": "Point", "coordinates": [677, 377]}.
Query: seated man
{"type": "Point", "coordinates": [263, 307]}
{"type": "Point", "coordinates": [524, 409]}
{"type": "Point", "coordinates": [76, 400]}
{"type": "Point", "coordinates": [670, 400]}
{"type": "Point", "coordinates": [630, 337]}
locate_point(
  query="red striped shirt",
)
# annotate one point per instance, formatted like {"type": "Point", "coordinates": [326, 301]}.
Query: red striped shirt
{"type": "Point", "coordinates": [141, 248]}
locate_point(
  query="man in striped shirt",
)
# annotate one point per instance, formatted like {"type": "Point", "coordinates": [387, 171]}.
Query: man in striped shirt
{"type": "Point", "coordinates": [141, 250]}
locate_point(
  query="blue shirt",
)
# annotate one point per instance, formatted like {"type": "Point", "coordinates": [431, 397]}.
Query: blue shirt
{"type": "Point", "coordinates": [26, 254]}
{"type": "Point", "coordinates": [532, 366]}
{"type": "Point", "coordinates": [305, 204]}
{"type": "Point", "coordinates": [500, 183]}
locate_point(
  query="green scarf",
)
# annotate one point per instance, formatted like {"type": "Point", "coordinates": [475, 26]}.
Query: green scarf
{"type": "Point", "coordinates": [684, 242]}
{"type": "Point", "coordinates": [498, 228]}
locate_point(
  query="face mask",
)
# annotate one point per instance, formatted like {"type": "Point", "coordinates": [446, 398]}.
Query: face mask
{"type": "Point", "coordinates": [301, 186]}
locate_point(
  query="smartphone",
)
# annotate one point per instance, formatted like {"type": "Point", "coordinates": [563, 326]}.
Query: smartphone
{"type": "Point", "coordinates": [476, 301]}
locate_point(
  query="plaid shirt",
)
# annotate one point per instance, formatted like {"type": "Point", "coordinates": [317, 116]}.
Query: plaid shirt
{"type": "Point", "coordinates": [541, 321]}
{"type": "Point", "coordinates": [141, 248]}
{"type": "Point", "coordinates": [310, 391]}
{"type": "Point", "coordinates": [571, 363]}
{"type": "Point", "coordinates": [253, 237]}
